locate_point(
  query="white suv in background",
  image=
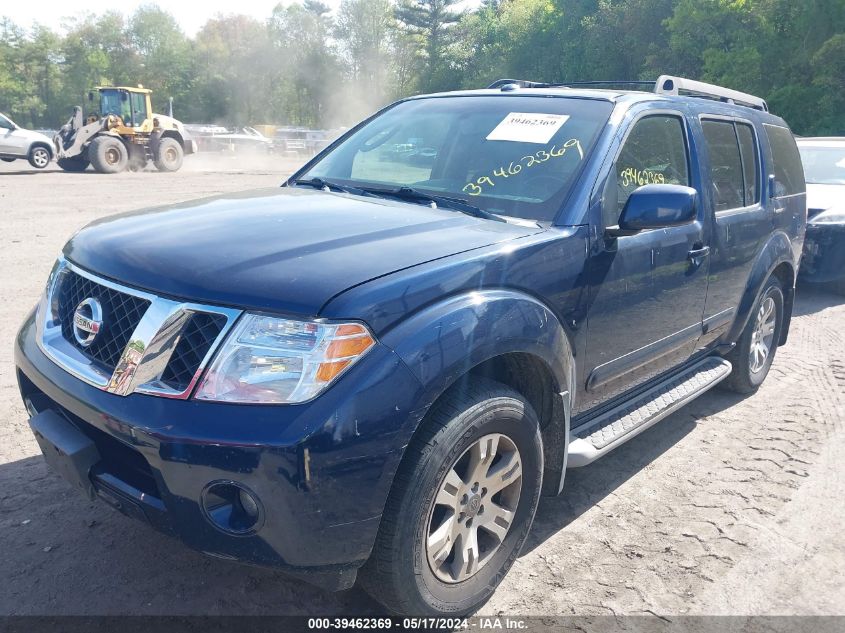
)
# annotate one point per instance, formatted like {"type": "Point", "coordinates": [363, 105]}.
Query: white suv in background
{"type": "Point", "coordinates": [16, 142]}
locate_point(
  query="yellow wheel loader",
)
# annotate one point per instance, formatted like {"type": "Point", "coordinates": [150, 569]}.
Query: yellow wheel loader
{"type": "Point", "coordinates": [121, 131]}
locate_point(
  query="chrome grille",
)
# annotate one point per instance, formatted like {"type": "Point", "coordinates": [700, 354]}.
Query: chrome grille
{"type": "Point", "coordinates": [197, 338]}
{"type": "Point", "coordinates": [145, 344]}
{"type": "Point", "coordinates": [121, 313]}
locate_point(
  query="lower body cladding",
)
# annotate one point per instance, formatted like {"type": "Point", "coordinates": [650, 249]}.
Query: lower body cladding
{"type": "Point", "coordinates": [296, 487]}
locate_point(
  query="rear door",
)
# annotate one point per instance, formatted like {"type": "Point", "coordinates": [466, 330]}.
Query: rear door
{"type": "Point", "coordinates": [646, 311]}
{"type": "Point", "coordinates": [741, 217]}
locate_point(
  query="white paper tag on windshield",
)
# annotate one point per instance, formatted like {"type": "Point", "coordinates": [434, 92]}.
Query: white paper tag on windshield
{"type": "Point", "coordinates": [528, 127]}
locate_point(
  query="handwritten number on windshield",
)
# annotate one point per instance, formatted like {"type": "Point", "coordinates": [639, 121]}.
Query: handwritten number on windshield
{"type": "Point", "coordinates": [630, 176]}
{"type": "Point", "coordinates": [541, 156]}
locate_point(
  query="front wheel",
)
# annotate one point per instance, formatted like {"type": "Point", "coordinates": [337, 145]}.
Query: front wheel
{"type": "Point", "coordinates": [108, 154]}
{"type": "Point", "coordinates": [39, 157]}
{"type": "Point", "coordinates": [755, 350]}
{"type": "Point", "coordinates": [461, 505]}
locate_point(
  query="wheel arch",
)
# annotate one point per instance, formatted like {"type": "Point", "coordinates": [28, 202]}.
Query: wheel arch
{"type": "Point", "coordinates": [775, 259]}
{"type": "Point", "coordinates": [48, 146]}
{"type": "Point", "coordinates": [175, 135]}
{"type": "Point", "coordinates": [503, 335]}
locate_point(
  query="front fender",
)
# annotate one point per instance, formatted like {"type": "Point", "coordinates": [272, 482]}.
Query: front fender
{"type": "Point", "coordinates": [444, 341]}
{"type": "Point", "coordinates": [776, 251]}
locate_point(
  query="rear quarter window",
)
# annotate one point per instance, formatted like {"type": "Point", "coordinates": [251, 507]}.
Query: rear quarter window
{"type": "Point", "coordinates": [788, 171]}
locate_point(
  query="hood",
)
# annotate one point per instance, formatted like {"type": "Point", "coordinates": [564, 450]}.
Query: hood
{"type": "Point", "coordinates": [32, 136]}
{"type": "Point", "coordinates": [823, 197]}
{"type": "Point", "coordinates": [286, 249]}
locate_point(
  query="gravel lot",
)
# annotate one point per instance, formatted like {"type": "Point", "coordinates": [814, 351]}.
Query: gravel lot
{"type": "Point", "coordinates": [730, 506]}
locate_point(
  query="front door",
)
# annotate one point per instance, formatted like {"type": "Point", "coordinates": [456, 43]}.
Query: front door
{"type": "Point", "coordinates": [9, 141]}
{"type": "Point", "coordinates": [649, 288]}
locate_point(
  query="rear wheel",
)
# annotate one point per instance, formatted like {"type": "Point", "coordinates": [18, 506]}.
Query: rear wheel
{"type": "Point", "coordinates": [39, 157]}
{"type": "Point", "coordinates": [108, 154]}
{"type": "Point", "coordinates": [73, 164]}
{"type": "Point", "coordinates": [168, 155]}
{"type": "Point", "coordinates": [461, 505]}
{"type": "Point", "coordinates": [755, 350]}
{"type": "Point", "coordinates": [8, 160]}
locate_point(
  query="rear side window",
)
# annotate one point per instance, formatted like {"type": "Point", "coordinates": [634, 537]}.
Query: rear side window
{"type": "Point", "coordinates": [725, 164]}
{"type": "Point", "coordinates": [750, 162]}
{"type": "Point", "coordinates": [655, 152]}
{"type": "Point", "coordinates": [789, 174]}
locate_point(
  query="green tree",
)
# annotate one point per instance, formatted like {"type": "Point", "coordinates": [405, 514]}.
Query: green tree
{"type": "Point", "coordinates": [431, 21]}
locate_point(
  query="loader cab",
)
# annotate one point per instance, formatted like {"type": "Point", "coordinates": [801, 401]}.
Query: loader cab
{"type": "Point", "coordinates": [132, 105]}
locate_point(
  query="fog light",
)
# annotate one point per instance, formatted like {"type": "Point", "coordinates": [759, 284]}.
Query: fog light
{"type": "Point", "coordinates": [232, 508]}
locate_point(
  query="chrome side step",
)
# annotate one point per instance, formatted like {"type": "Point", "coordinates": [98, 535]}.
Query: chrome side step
{"type": "Point", "coordinates": [600, 436]}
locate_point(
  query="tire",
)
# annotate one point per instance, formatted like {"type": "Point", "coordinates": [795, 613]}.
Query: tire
{"type": "Point", "coordinates": [108, 154]}
{"type": "Point", "coordinates": [8, 160]}
{"type": "Point", "coordinates": [39, 157]}
{"type": "Point", "coordinates": [403, 573]}
{"type": "Point", "coordinates": [73, 164]}
{"type": "Point", "coordinates": [168, 155]}
{"type": "Point", "coordinates": [750, 372]}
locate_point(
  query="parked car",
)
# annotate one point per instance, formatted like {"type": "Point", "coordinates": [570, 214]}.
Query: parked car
{"type": "Point", "coordinates": [824, 246]}
{"type": "Point", "coordinates": [17, 143]}
{"type": "Point", "coordinates": [374, 371]}
{"type": "Point", "coordinates": [216, 138]}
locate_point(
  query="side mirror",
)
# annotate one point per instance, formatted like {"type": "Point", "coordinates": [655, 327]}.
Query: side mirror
{"type": "Point", "coordinates": [656, 207]}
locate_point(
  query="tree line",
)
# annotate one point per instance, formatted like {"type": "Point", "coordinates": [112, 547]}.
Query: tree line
{"type": "Point", "coordinates": [306, 65]}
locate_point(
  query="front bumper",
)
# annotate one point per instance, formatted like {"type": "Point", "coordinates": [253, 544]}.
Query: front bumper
{"type": "Point", "coordinates": [321, 470]}
{"type": "Point", "coordinates": [823, 260]}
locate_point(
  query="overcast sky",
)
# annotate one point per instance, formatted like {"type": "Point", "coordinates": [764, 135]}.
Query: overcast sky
{"type": "Point", "coordinates": [190, 15]}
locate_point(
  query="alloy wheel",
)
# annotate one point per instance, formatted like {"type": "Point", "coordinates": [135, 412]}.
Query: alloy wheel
{"type": "Point", "coordinates": [763, 335]}
{"type": "Point", "coordinates": [474, 508]}
{"type": "Point", "coordinates": [40, 157]}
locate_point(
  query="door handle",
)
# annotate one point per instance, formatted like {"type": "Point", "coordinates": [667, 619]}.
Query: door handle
{"type": "Point", "coordinates": [697, 254]}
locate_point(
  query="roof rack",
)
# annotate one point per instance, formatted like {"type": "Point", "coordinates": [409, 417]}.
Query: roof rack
{"type": "Point", "coordinates": [665, 85]}
{"type": "Point", "coordinates": [669, 85]}
{"type": "Point", "coordinates": [522, 83]}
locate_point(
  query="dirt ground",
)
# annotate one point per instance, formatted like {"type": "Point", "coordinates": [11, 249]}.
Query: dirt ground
{"type": "Point", "coordinates": [730, 506]}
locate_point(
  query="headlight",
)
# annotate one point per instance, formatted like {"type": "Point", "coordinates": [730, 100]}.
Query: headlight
{"type": "Point", "coordinates": [831, 216]}
{"type": "Point", "coordinates": [270, 360]}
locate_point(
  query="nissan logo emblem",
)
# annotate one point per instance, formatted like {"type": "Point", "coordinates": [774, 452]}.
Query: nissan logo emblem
{"type": "Point", "coordinates": [87, 321]}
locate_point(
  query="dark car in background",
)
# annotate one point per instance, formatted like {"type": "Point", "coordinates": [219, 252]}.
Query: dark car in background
{"type": "Point", "coordinates": [824, 246]}
{"type": "Point", "coordinates": [375, 370]}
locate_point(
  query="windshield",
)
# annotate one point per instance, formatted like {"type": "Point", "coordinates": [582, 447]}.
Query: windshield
{"type": "Point", "coordinates": [115, 102]}
{"type": "Point", "coordinates": [515, 156]}
{"type": "Point", "coordinates": [824, 165]}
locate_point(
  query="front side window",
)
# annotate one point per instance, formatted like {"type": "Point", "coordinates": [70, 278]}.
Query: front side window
{"type": "Point", "coordinates": [511, 155]}
{"type": "Point", "coordinates": [655, 152]}
{"type": "Point", "coordinates": [5, 123]}
{"type": "Point", "coordinates": [789, 174]}
{"type": "Point", "coordinates": [824, 165]}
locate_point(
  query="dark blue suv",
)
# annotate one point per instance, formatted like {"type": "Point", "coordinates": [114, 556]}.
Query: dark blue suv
{"type": "Point", "coordinates": [374, 371]}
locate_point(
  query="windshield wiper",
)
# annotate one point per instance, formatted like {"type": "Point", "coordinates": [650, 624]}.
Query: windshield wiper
{"type": "Point", "coordinates": [329, 185]}
{"type": "Point", "coordinates": [409, 193]}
